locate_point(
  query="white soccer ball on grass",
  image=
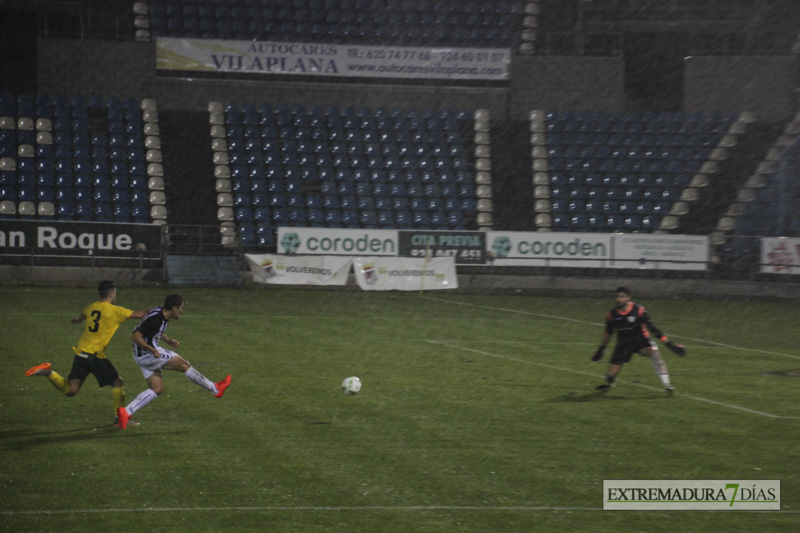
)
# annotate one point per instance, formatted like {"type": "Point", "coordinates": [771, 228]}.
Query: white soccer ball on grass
{"type": "Point", "coordinates": [351, 385]}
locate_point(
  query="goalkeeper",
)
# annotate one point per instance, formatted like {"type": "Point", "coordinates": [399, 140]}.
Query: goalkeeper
{"type": "Point", "coordinates": [634, 329]}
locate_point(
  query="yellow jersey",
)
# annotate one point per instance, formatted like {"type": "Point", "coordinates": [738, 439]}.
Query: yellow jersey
{"type": "Point", "coordinates": [102, 320]}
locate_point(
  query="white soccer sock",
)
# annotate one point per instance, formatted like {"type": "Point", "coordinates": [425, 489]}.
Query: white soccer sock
{"type": "Point", "coordinates": [145, 397]}
{"type": "Point", "coordinates": [661, 369]}
{"type": "Point", "coordinates": [200, 379]}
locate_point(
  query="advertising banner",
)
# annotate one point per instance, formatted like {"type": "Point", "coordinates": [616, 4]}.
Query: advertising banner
{"type": "Point", "coordinates": [337, 241]}
{"type": "Point", "coordinates": [661, 252]}
{"type": "Point", "coordinates": [79, 238]}
{"type": "Point", "coordinates": [405, 274]}
{"type": "Point", "coordinates": [780, 255]}
{"type": "Point", "coordinates": [321, 59]}
{"type": "Point", "coordinates": [466, 247]}
{"type": "Point", "coordinates": [579, 250]}
{"type": "Point", "coordinates": [298, 269]}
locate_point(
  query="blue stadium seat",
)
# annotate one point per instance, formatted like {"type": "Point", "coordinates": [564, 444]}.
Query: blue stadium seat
{"type": "Point", "coordinates": [368, 219]}
{"type": "Point", "coordinates": [421, 219]}
{"type": "Point", "coordinates": [403, 219]}
{"type": "Point", "coordinates": [65, 211]}
{"type": "Point", "coordinates": [243, 214]}
{"type": "Point", "coordinates": [350, 218]}
{"type": "Point", "coordinates": [120, 196]}
{"type": "Point", "coordinates": [297, 216]}
{"type": "Point", "coordinates": [333, 218]}
{"type": "Point", "coordinates": [84, 210]}
{"type": "Point", "coordinates": [121, 212]}
{"type": "Point", "coordinates": [316, 217]}
{"type": "Point", "coordinates": [386, 219]}
{"type": "Point", "coordinates": [280, 215]}
{"type": "Point", "coordinates": [140, 213]}
{"type": "Point", "coordinates": [139, 198]}
{"type": "Point", "coordinates": [262, 215]}
{"type": "Point", "coordinates": [366, 203]}
{"type": "Point", "coordinates": [456, 220]}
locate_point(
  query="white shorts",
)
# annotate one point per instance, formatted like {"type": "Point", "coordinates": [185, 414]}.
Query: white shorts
{"type": "Point", "coordinates": [149, 364]}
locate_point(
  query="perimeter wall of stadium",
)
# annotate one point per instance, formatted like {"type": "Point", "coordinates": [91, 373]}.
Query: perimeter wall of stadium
{"type": "Point", "coordinates": [602, 283]}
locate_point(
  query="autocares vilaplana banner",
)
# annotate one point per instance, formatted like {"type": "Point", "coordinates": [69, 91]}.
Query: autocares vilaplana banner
{"type": "Point", "coordinates": [405, 274]}
{"type": "Point", "coordinates": [298, 269]}
{"type": "Point", "coordinates": [322, 59]}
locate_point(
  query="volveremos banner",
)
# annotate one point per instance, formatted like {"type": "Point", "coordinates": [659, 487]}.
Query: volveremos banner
{"type": "Point", "coordinates": [405, 274]}
{"type": "Point", "coordinates": [337, 241]}
{"type": "Point", "coordinates": [321, 59]}
{"type": "Point", "coordinates": [79, 238]}
{"type": "Point", "coordinates": [579, 250]}
{"type": "Point", "coordinates": [661, 252]}
{"type": "Point", "coordinates": [780, 255]}
{"type": "Point", "coordinates": [299, 269]}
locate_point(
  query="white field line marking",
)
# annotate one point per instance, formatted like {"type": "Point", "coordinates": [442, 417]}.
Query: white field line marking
{"type": "Point", "coordinates": [305, 508]}
{"type": "Point", "coordinates": [524, 343]}
{"type": "Point", "coordinates": [324, 509]}
{"type": "Point", "coordinates": [545, 365]}
{"type": "Point", "coordinates": [566, 319]}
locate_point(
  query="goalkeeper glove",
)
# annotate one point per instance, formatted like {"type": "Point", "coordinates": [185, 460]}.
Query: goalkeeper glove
{"type": "Point", "coordinates": [598, 354]}
{"type": "Point", "coordinates": [677, 348]}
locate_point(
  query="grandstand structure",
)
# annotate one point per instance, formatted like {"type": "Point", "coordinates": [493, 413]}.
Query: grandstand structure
{"type": "Point", "coordinates": [554, 116]}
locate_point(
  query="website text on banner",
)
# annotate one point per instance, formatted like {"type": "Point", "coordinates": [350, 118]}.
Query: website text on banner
{"type": "Point", "coordinates": [299, 269]}
{"type": "Point", "coordinates": [404, 274]}
{"type": "Point", "coordinates": [780, 255]}
{"type": "Point", "coordinates": [661, 252]}
{"type": "Point", "coordinates": [320, 59]}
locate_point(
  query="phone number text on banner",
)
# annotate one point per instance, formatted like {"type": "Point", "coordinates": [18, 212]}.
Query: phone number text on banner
{"type": "Point", "coordinates": [320, 59]}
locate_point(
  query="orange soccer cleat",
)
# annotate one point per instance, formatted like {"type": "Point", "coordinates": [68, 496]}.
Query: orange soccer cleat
{"type": "Point", "coordinates": [39, 370]}
{"type": "Point", "coordinates": [222, 385]}
{"type": "Point", "coordinates": [123, 417]}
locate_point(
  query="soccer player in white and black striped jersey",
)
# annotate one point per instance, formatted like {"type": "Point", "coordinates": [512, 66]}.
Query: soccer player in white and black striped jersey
{"type": "Point", "coordinates": [152, 358]}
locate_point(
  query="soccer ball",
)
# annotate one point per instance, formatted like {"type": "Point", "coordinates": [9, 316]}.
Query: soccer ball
{"type": "Point", "coordinates": [351, 385]}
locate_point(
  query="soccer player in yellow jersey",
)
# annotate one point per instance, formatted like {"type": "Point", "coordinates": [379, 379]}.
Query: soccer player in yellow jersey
{"type": "Point", "coordinates": [102, 319]}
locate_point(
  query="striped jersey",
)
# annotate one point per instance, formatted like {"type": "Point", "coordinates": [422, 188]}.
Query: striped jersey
{"type": "Point", "coordinates": [152, 326]}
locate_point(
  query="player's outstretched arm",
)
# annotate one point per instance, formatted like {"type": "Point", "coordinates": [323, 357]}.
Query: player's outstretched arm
{"type": "Point", "coordinates": [676, 348]}
{"type": "Point", "coordinates": [679, 349]}
{"type": "Point", "coordinates": [138, 315]}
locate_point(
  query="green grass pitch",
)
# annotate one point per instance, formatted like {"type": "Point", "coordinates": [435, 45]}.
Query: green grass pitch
{"type": "Point", "coordinates": [477, 413]}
